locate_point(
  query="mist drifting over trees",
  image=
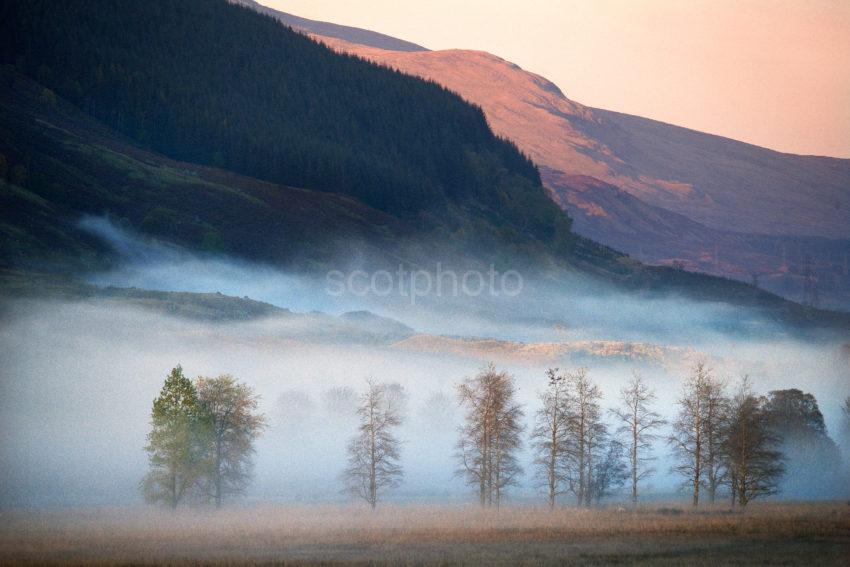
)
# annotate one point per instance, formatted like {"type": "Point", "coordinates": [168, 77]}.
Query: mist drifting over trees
{"type": "Point", "coordinates": [638, 426]}
{"type": "Point", "coordinates": [306, 382]}
{"type": "Point", "coordinates": [201, 443]}
{"type": "Point", "coordinates": [201, 440]}
{"type": "Point", "coordinates": [374, 452]}
{"type": "Point", "coordinates": [490, 437]}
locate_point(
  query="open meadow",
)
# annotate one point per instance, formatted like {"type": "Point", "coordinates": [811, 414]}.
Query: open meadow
{"type": "Point", "coordinates": [766, 533]}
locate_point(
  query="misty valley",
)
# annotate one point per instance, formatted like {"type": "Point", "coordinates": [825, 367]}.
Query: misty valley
{"type": "Point", "coordinates": [283, 291]}
{"type": "Point", "coordinates": [81, 412]}
{"type": "Point", "coordinates": [305, 385]}
{"type": "Point", "coordinates": [306, 371]}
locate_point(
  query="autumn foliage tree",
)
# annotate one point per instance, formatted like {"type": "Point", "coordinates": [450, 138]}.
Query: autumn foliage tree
{"type": "Point", "coordinates": [750, 449]}
{"type": "Point", "coordinates": [232, 424]}
{"type": "Point", "coordinates": [491, 434]}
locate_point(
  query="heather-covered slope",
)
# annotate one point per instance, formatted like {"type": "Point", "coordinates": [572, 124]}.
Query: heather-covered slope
{"type": "Point", "coordinates": [652, 234]}
{"type": "Point", "coordinates": [661, 193]}
{"type": "Point", "coordinates": [718, 182]}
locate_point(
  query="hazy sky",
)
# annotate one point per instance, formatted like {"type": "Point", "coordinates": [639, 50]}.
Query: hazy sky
{"type": "Point", "coordinates": [771, 72]}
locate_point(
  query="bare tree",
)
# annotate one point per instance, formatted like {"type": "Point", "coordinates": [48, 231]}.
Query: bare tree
{"type": "Point", "coordinates": [373, 454]}
{"type": "Point", "coordinates": [340, 403]}
{"type": "Point", "coordinates": [585, 434]}
{"type": "Point", "coordinates": [549, 437]}
{"type": "Point", "coordinates": [574, 450]}
{"type": "Point", "coordinates": [638, 426]}
{"type": "Point", "coordinates": [397, 397]}
{"type": "Point", "coordinates": [438, 411]}
{"type": "Point", "coordinates": [610, 471]}
{"type": "Point", "coordinates": [688, 439]}
{"type": "Point", "coordinates": [490, 436]}
{"type": "Point", "coordinates": [715, 405]}
{"type": "Point", "coordinates": [750, 449]}
{"type": "Point", "coordinates": [230, 409]}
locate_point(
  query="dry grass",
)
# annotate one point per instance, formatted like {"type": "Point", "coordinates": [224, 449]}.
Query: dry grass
{"type": "Point", "coordinates": [420, 535]}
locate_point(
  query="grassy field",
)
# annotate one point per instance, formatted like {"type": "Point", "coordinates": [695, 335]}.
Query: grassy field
{"type": "Point", "coordinates": [787, 534]}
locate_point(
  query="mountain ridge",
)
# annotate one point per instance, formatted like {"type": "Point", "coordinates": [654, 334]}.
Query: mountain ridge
{"type": "Point", "coordinates": [40, 230]}
{"type": "Point", "coordinates": [86, 166]}
{"type": "Point", "coordinates": [328, 29]}
{"type": "Point", "coordinates": [609, 155]}
{"type": "Point", "coordinates": [771, 234]}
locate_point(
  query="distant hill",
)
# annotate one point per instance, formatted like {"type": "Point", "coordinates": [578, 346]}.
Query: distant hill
{"type": "Point", "coordinates": [659, 192]}
{"type": "Point", "coordinates": [721, 183]}
{"type": "Point", "coordinates": [192, 121]}
{"type": "Point", "coordinates": [216, 84]}
{"type": "Point", "coordinates": [361, 327]}
{"type": "Point", "coordinates": [327, 29]}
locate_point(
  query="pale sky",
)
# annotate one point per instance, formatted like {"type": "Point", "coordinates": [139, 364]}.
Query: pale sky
{"type": "Point", "coordinates": [770, 72]}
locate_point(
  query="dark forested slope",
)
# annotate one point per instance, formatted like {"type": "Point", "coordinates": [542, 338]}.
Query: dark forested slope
{"type": "Point", "coordinates": [58, 164]}
{"type": "Point", "coordinates": [211, 83]}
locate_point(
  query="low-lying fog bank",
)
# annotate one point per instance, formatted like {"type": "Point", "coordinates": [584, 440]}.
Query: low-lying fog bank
{"type": "Point", "coordinates": [79, 379]}
{"type": "Point", "coordinates": [479, 301]}
{"type": "Point", "coordinates": [79, 376]}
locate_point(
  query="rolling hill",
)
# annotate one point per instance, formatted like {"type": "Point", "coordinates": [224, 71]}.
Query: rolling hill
{"type": "Point", "coordinates": [214, 127]}
{"type": "Point", "coordinates": [658, 192]}
{"type": "Point", "coordinates": [328, 29]}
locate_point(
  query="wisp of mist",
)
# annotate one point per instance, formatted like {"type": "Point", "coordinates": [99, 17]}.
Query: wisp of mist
{"type": "Point", "coordinates": [79, 376]}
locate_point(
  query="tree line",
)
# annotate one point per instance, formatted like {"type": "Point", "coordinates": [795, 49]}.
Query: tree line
{"type": "Point", "coordinates": [725, 440]}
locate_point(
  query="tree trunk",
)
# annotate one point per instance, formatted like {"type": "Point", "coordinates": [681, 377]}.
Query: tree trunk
{"type": "Point", "coordinates": [733, 489]}
{"type": "Point", "coordinates": [582, 487]}
{"type": "Point", "coordinates": [634, 460]}
{"type": "Point", "coordinates": [218, 480]}
{"type": "Point", "coordinates": [553, 455]}
{"type": "Point", "coordinates": [697, 449]}
{"type": "Point", "coordinates": [373, 484]}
